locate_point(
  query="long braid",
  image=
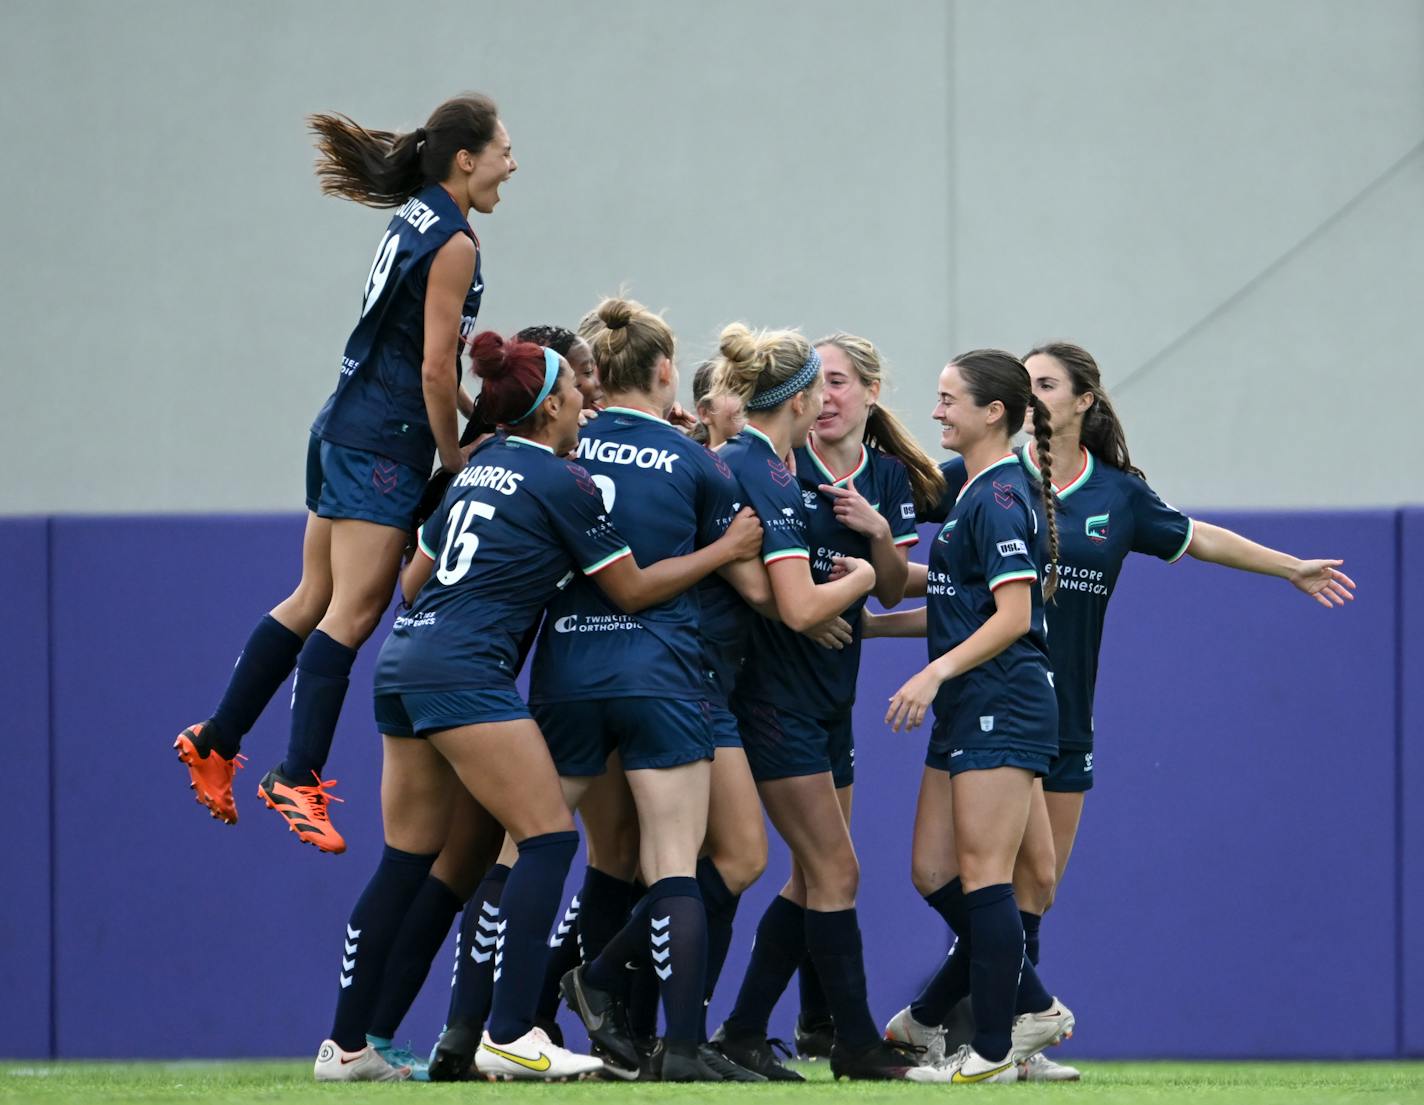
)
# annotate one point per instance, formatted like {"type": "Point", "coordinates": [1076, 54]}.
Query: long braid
{"type": "Point", "coordinates": [1042, 442]}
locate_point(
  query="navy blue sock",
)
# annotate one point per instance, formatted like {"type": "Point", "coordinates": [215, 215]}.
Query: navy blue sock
{"type": "Point", "coordinates": [563, 958]}
{"type": "Point", "coordinates": [424, 929]}
{"type": "Point", "coordinates": [370, 932]}
{"type": "Point", "coordinates": [263, 666]}
{"type": "Point", "coordinates": [530, 904]}
{"type": "Point", "coordinates": [1033, 998]}
{"type": "Point", "coordinates": [814, 1008]}
{"type": "Point", "coordinates": [677, 929]}
{"type": "Point", "coordinates": [779, 948]}
{"type": "Point", "coordinates": [996, 956]}
{"type": "Point", "coordinates": [721, 906]}
{"type": "Point", "coordinates": [833, 943]}
{"type": "Point", "coordinates": [604, 905]}
{"type": "Point", "coordinates": [473, 985]}
{"type": "Point", "coordinates": [609, 970]}
{"type": "Point", "coordinates": [950, 984]}
{"type": "Point", "coordinates": [323, 671]}
{"type": "Point", "coordinates": [1031, 921]}
{"type": "Point", "coordinates": [643, 994]}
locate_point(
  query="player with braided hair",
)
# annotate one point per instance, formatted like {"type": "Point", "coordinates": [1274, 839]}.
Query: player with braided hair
{"type": "Point", "coordinates": [576, 351]}
{"type": "Point", "coordinates": [995, 716]}
{"type": "Point", "coordinates": [1106, 510]}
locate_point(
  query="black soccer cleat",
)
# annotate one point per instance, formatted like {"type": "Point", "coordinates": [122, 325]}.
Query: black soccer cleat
{"type": "Point", "coordinates": [756, 1054]}
{"type": "Point", "coordinates": [680, 1061]}
{"type": "Point", "coordinates": [814, 1037]}
{"type": "Point", "coordinates": [881, 1061]}
{"type": "Point", "coordinates": [605, 1019]}
{"type": "Point", "coordinates": [454, 1055]}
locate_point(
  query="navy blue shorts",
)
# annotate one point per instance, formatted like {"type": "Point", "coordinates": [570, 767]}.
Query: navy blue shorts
{"type": "Point", "coordinates": [959, 760]}
{"type": "Point", "coordinates": [417, 713]}
{"type": "Point", "coordinates": [782, 744]}
{"type": "Point", "coordinates": [1070, 773]}
{"type": "Point", "coordinates": [647, 732]}
{"type": "Point", "coordinates": [725, 733]}
{"type": "Point", "coordinates": [352, 483]}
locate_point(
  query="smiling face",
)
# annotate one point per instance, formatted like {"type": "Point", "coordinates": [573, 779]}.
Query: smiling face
{"type": "Point", "coordinates": [805, 409]}
{"type": "Point", "coordinates": [1054, 388]}
{"type": "Point", "coordinates": [847, 400]}
{"type": "Point", "coordinates": [585, 370]}
{"type": "Point", "coordinates": [487, 170]}
{"type": "Point", "coordinates": [963, 423]}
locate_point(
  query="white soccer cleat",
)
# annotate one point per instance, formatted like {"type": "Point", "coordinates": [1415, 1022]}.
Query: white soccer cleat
{"type": "Point", "coordinates": [904, 1029]}
{"type": "Point", "coordinates": [1035, 1031]}
{"type": "Point", "coordinates": [335, 1065]}
{"type": "Point", "coordinates": [967, 1066]}
{"type": "Point", "coordinates": [532, 1057]}
{"type": "Point", "coordinates": [1040, 1068]}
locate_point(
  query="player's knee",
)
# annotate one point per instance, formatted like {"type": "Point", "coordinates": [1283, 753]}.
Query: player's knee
{"type": "Point", "coordinates": [838, 879]}
{"type": "Point", "coordinates": [741, 868]}
{"type": "Point", "coordinates": [927, 877]}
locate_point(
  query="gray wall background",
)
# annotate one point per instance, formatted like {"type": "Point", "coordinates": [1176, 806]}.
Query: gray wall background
{"type": "Point", "coordinates": [1224, 200]}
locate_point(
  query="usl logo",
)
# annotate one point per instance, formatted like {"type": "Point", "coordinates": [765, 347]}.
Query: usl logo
{"type": "Point", "coordinates": [1096, 528]}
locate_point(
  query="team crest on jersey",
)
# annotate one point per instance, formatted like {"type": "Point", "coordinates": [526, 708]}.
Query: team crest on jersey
{"type": "Point", "coordinates": [779, 472]}
{"type": "Point", "coordinates": [809, 498]}
{"type": "Point", "coordinates": [1096, 528]}
{"type": "Point", "coordinates": [947, 530]}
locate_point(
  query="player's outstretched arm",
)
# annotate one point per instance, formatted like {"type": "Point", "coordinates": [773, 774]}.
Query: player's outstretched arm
{"type": "Point", "coordinates": [1321, 579]}
{"type": "Point", "coordinates": [900, 623]}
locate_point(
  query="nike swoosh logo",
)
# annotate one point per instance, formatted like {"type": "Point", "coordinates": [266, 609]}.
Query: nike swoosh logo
{"type": "Point", "coordinates": [353, 1059]}
{"type": "Point", "coordinates": [542, 1063]}
{"type": "Point", "coordinates": [958, 1077]}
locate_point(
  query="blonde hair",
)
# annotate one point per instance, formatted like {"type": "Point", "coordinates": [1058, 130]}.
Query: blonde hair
{"type": "Point", "coordinates": [883, 430]}
{"type": "Point", "coordinates": [627, 340]}
{"type": "Point", "coordinates": [750, 361]}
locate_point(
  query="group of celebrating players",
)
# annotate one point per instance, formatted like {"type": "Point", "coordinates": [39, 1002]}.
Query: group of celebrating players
{"type": "Point", "coordinates": [692, 588]}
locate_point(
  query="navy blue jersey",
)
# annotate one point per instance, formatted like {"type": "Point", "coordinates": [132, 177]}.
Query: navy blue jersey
{"type": "Point", "coordinates": [787, 668]}
{"type": "Point", "coordinates": [669, 495]}
{"type": "Point", "coordinates": [990, 538]}
{"type": "Point", "coordinates": [1103, 514]}
{"type": "Point", "coordinates": [768, 487]}
{"type": "Point", "coordinates": [512, 528]}
{"type": "Point", "coordinates": [379, 403]}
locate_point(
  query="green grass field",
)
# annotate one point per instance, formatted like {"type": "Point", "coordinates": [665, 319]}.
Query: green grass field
{"type": "Point", "coordinates": [1109, 1083]}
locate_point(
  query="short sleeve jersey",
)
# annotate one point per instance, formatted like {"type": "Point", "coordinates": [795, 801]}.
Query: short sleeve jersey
{"type": "Point", "coordinates": [379, 403]}
{"type": "Point", "coordinates": [669, 495]}
{"type": "Point", "coordinates": [789, 669]}
{"type": "Point", "coordinates": [1103, 514]}
{"type": "Point", "coordinates": [769, 488]}
{"type": "Point", "coordinates": [513, 526]}
{"type": "Point", "coordinates": [989, 539]}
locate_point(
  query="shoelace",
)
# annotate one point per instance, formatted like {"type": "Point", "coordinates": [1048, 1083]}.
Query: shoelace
{"type": "Point", "coordinates": [238, 761]}
{"type": "Point", "coordinates": [319, 795]}
{"type": "Point", "coordinates": [910, 1051]}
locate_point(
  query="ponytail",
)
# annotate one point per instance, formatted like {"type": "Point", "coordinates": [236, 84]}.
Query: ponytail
{"type": "Point", "coordinates": [1102, 433]}
{"type": "Point", "coordinates": [381, 168]}
{"type": "Point", "coordinates": [887, 433]}
{"type": "Point", "coordinates": [1042, 447]}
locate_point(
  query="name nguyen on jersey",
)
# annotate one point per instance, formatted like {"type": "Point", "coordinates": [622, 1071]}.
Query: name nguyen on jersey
{"type": "Point", "coordinates": [492, 476]}
{"type": "Point", "coordinates": [418, 215]}
{"type": "Point", "coordinates": [611, 452]}
{"type": "Point", "coordinates": [938, 583]}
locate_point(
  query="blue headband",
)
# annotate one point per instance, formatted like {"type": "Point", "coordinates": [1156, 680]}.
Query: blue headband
{"type": "Point", "coordinates": [551, 373]}
{"type": "Point", "coordinates": [772, 397]}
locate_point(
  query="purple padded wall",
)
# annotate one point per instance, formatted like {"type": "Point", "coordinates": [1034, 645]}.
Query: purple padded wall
{"type": "Point", "coordinates": [1411, 782]}
{"type": "Point", "coordinates": [25, 1012]}
{"type": "Point", "coordinates": [1244, 818]}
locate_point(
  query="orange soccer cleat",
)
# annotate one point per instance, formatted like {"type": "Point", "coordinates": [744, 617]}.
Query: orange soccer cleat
{"type": "Point", "coordinates": [209, 773]}
{"type": "Point", "coordinates": [304, 807]}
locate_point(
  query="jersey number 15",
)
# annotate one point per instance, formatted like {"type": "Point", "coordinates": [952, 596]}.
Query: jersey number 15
{"type": "Point", "coordinates": [460, 541]}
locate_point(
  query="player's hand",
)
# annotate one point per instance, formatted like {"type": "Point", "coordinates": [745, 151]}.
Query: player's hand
{"type": "Point", "coordinates": [743, 536]}
{"type": "Point", "coordinates": [1324, 582]}
{"type": "Point", "coordinates": [835, 633]}
{"type": "Point", "coordinates": [681, 419]}
{"type": "Point", "coordinates": [854, 566]}
{"type": "Point", "coordinates": [911, 702]}
{"type": "Point", "coordinates": [454, 461]}
{"type": "Point", "coordinates": [854, 511]}
{"type": "Point", "coordinates": [587, 415]}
